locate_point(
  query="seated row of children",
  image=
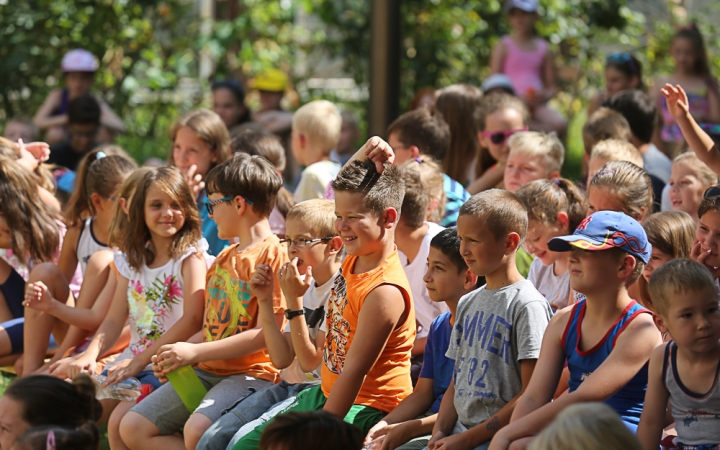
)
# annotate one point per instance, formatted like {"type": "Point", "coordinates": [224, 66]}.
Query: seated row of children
{"type": "Point", "coordinates": [149, 281]}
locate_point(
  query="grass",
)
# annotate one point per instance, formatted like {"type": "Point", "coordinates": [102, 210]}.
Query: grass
{"type": "Point", "coordinates": [574, 148]}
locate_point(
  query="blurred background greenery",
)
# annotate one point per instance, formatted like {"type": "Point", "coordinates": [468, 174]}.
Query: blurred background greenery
{"type": "Point", "coordinates": [151, 52]}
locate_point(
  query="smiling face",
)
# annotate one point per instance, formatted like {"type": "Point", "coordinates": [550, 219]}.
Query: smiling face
{"type": "Point", "coordinates": [361, 230]}
{"type": "Point", "coordinates": [657, 259]}
{"type": "Point", "coordinates": [536, 241]}
{"type": "Point", "coordinates": [12, 424]}
{"type": "Point", "coordinates": [189, 149]}
{"type": "Point", "coordinates": [693, 320]}
{"type": "Point", "coordinates": [313, 254]}
{"type": "Point", "coordinates": [164, 216]}
{"type": "Point", "coordinates": [686, 189]}
{"type": "Point", "coordinates": [521, 169]}
{"type": "Point", "coordinates": [481, 251]}
{"type": "Point", "coordinates": [444, 281]}
{"type": "Point", "coordinates": [507, 119]}
{"type": "Point", "coordinates": [708, 234]}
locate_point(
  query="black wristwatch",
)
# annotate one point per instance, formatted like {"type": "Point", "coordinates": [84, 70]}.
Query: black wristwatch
{"type": "Point", "coordinates": [289, 314]}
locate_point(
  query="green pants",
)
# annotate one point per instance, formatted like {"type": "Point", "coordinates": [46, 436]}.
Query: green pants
{"type": "Point", "coordinates": [363, 417]}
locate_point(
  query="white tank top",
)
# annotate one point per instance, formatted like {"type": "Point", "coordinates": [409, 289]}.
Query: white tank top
{"type": "Point", "coordinates": [87, 245]}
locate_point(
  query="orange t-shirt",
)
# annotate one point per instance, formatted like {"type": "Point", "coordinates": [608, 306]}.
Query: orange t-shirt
{"type": "Point", "coordinates": [230, 308]}
{"type": "Point", "coordinates": [388, 381]}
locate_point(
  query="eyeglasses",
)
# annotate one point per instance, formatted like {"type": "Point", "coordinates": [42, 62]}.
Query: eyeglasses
{"type": "Point", "coordinates": [622, 58]}
{"type": "Point", "coordinates": [499, 137]}
{"type": "Point", "coordinates": [300, 243]}
{"type": "Point", "coordinates": [712, 191]}
{"type": "Point", "coordinates": [209, 205]}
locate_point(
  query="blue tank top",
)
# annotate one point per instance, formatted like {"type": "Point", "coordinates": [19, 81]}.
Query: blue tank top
{"type": "Point", "coordinates": [628, 401]}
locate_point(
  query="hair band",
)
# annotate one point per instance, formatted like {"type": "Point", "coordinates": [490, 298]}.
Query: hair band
{"type": "Point", "coordinates": [604, 172]}
{"type": "Point", "coordinates": [50, 441]}
{"type": "Point", "coordinates": [556, 181]}
{"type": "Point", "coordinates": [100, 155]}
{"type": "Point", "coordinates": [418, 160]}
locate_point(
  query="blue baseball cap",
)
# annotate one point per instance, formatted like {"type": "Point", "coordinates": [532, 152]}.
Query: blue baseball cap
{"type": "Point", "coordinates": [604, 230]}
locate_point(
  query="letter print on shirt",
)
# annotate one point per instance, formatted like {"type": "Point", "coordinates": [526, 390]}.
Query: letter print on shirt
{"type": "Point", "coordinates": [338, 329]}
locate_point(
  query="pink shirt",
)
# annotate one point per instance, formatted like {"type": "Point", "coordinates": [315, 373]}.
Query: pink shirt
{"type": "Point", "coordinates": [524, 68]}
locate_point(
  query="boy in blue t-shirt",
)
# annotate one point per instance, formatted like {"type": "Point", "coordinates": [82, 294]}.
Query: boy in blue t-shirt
{"type": "Point", "coordinates": [448, 278]}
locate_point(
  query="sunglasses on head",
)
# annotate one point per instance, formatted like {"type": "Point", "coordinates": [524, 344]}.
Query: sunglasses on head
{"type": "Point", "coordinates": [622, 58]}
{"type": "Point", "coordinates": [499, 137]}
{"type": "Point", "coordinates": [712, 191]}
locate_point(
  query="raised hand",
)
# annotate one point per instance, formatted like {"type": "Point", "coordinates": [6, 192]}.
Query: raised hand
{"type": "Point", "coordinates": [677, 101]}
{"type": "Point", "coordinates": [262, 283]}
{"type": "Point", "coordinates": [379, 152]}
{"type": "Point", "coordinates": [195, 180]}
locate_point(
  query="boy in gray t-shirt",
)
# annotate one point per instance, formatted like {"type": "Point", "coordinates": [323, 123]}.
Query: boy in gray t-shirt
{"type": "Point", "coordinates": [499, 328]}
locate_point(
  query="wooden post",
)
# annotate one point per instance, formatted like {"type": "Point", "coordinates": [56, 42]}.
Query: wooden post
{"type": "Point", "coordinates": [384, 104]}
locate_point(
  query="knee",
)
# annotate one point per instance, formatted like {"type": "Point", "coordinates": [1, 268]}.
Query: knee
{"type": "Point", "coordinates": [194, 429]}
{"type": "Point", "coordinates": [135, 428]}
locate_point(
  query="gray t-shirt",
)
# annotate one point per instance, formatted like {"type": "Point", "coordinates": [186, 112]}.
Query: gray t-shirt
{"type": "Point", "coordinates": [493, 332]}
{"type": "Point", "coordinates": [656, 163]}
{"type": "Point", "coordinates": [555, 288]}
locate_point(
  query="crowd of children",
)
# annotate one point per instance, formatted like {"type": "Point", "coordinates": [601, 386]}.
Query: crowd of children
{"type": "Point", "coordinates": [369, 300]}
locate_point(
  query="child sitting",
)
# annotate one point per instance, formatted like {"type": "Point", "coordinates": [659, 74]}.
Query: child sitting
{"type": "Point", "coordinates": [684, 370]}
{"type": "Point", "coordinates": [499, 117]}
{"type": "Point", "coordinates": [706, 246]}
{"type": "Point", "coordinates": [498, 328]}
{"type": "Point", "coordinates": [370, 320]}
{"type": "Point", "coordinates": [424, 133]}
{"type": "Point", "coordinates": [315, 133]}
{"type": "Point", "coordinates": [554, 208]}
{"type": "Point", "coordinates": [315, 249]}
{"type": "Point", "coordinates": [689, 180]}
{"type": "Point", "coordinates": [412, 237]}
{"type": "Point", "coordinates": [448, 279]}
{"type": "Point", "coordinates": [83, 123]}
{"type": "Point", "coordinates": [232, 359]}
{"type": "Point", "coordinates": [533, 155]}
{"type": "Point", "coordinates": [606, 339]}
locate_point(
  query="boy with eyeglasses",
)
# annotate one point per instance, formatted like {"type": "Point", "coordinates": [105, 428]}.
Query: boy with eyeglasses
{"type": "Point", "coordinates": [231, 350]}
{"type": "Point", "coordinates": [315, 252]}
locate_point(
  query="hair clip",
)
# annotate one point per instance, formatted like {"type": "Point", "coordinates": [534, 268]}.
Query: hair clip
{"type": "Point", "coordinates": [418, 160]}
{"type": "Point", "coordinates": [604, 172]}
{"type": "Point", "coordinates": [100, 155]}
{"type": "Point", "coordinates": [50, 441]}
{"type": "Point", "coordinates": [556, 181]}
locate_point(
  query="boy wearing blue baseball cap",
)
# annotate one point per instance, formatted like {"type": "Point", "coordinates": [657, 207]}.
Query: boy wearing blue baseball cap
{"type": "Point", "coordinates": [606, 339]}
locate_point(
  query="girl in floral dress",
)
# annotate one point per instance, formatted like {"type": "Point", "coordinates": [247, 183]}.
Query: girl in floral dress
{"type": "Point", "coordinates": [160, 287]}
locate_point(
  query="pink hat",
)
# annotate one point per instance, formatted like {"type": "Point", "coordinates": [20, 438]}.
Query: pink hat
{"type": "Point", "coordinates": [79, 60]}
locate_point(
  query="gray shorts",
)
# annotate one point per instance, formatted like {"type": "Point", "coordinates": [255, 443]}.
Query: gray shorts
{"type": "Point", "coordinates": [165, 409]}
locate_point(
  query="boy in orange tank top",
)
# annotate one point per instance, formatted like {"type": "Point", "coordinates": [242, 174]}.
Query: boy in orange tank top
{"type": "Point", "coordinates": [370, 319]}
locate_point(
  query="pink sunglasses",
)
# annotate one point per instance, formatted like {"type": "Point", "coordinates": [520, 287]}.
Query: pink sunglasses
{"type": "Point", "coordinates": [499, 137]}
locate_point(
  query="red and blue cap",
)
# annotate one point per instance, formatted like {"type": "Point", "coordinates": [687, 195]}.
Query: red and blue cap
{"type": "Point", "coordinates": [604, 230]}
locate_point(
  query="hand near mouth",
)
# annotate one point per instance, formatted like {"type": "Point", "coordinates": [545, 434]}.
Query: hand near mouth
{"type": "Point", "coordinates": [292, 284]}
{"type": "Point", "coordinates": [701, 256]}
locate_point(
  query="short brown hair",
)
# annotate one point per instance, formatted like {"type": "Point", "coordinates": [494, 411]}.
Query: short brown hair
{"type": "Point", "coordinates": [318, 430]}
{"type": "Point", "coordinates": [135, 237]}
{"type": "Point", "coordinates": [501, 210]}
{"type": "Point", "coordinates": [424, 128]}
{"type": "Point", "coordinates": [605, 123]}
{"type": "Point", "coordinates": [251, 177]}
{"type": "Point", "coordinates": [261, 143]}
{"type": "Point", "coordinates": [379, 191]}
{"type": "Point", "coordinates": [318, 213]}
{"type": "Point", "coordinates": [545, 199]}
{"type": "Point", "coordinates": [432, 177]}
{"type": "Point", "coordinates": [416, 200]}
{"type": "Point", "coordinates": [676, 277]}
{"type": "Point", "coordinates": [211, 129]}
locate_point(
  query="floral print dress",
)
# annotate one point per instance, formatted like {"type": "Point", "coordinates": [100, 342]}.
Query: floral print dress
{"type": "Point", "coordinates": [155, 298]}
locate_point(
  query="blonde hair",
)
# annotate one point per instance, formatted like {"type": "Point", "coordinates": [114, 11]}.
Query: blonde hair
{"type": "Point", "coordinates": [628, 184]}
{"type": "Point", "coordinates": [120, 220]}
{"type": "Point", "coordinates": [321, 122]}
{"type": "Point", "coordinates": [671, 232]}
{"type": "Point", "coordinates": [211, 130]}
{"type": "Point", "coordinates": [617, 150]}
{"type": "Point", "coordinates": [318, 213]}
{"type": "Point", "coordinates": [587, 426]}
{"type": "Point", "coordinates": [433, 182]}
{"type": "Point", "coordinates": [605, 123]}
{"type": "Point", "coordinates": [705, 174]}
{"type": "Point", "coordinates": [42, 174]}
{"type": "Point", "coordinates": [676, 277]}
{"type": "Point", "coordinates": [538, 144]}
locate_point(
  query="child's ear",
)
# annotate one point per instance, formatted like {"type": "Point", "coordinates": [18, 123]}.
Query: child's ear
{"type": "Point", "coordinates": [124, 205]}
{"type": "Point", "coordinates": [302, 140]}
{"type": "Point", "coordinates": [241, 204]}
{"type": "Point", "coordinates": [627, 267]}
{"type": "Point", "coordinates": [414, 152]}
{"type": "Point", "coordinates": [335, 245]}
{"type": "Point", "coordinates": [482, 139]}
{"type": "Point", "coordinates": [563, 221]}
{"type": "Point", "coordinates": [553, 175]}
{"type": "Point", "coordinates": [512, 242]}
{"type": "Point", "coordinates": [390, 217]}
{"type": "Point", "coordinates": [660, 323]}
{"type": "Point", "coordinates": [470, 280]}
{"type": "Point", "coordinates": [96, 200]}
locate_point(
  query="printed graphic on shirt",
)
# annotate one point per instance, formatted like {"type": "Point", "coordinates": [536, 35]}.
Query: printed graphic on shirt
{"type": "Point", "coordinates": [149, 307]}
{"type": "Point", "coordinates": [338, 329]}
{"type": "Point", "coordinates": [697, 414]}
{"type": "Point", "coordinates": [226, 311]}
{"type": "Point", "coordinates": [489, 336]}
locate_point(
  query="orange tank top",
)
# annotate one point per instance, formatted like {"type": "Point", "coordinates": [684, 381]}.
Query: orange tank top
{"type": "Point", "coordinates": [388, 381]}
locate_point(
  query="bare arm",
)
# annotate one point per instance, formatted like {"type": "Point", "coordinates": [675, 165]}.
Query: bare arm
{"type": "Point", "coordinates": [497, 57]}
{"type": "Point", "coordinates": [280, 349]}
{"type": "Point", "coordinates": [43, 118]}
{"type": "Point", "coordinates": [549, 76]}
{"type": "Point", "coordinates": [447, 415]}
{"type": "Point", "coordinates": [68, 257]}
{"type": "Point", "coordinates": [380, 314]}
{"type": "Point", "coordinates": [109, 119]}
{"type": "Point", "coordinates": [488, 180]}
{"type": "Point", "coordinates": [713, 103]}
{"type": "Point", "coordinates": [652, 420]}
